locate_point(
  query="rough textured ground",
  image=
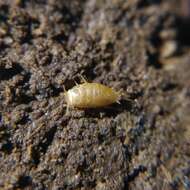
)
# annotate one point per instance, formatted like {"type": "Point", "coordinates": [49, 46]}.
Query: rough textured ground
{"type": "Point", "coordinates": [142, 47]}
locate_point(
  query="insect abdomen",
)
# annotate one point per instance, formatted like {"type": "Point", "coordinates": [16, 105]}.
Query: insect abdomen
{"type": "Point", "coordinates": [91, 95]}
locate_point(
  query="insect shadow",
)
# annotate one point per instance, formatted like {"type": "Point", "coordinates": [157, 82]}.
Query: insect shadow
{"type": "Point", "coordinates": [110, 111]}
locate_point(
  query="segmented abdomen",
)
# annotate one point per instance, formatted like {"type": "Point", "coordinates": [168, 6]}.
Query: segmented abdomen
{"type": "Point", "coordinates": [91, 95]}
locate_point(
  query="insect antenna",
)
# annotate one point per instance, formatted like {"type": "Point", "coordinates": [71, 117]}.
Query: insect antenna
{"type": "Point", "coordinates": [82, 78]}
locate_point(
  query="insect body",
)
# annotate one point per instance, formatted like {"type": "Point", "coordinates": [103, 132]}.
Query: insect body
{"type": "Point", "coordinates": [91, 95]}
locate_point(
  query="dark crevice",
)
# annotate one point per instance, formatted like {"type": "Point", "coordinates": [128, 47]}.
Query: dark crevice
{"type": "Point", "coordinates": [42, 147]}
{"type": "Point", "coordinates": [23, 3]}
{"type": "Point", "coordinates": [55, 91]}
{"type": "Point", "coordinates": [60, 38]}
{"type": "Point", "coordinates": [7, 147]}
{"type": "Point", "coordinates": [25, 119]}
{"type": "Point", "coordinates": [145, 3]}
{"type": "Point", "coordinates": [183, 31]}
{"type": "Point", "coordinates": [4, 9]}
{"type": "Point", "coordinates": [132, 175]}
{"type": "Point", "coordinates": [70, 18]}
{"type": "Point", "coordinates": [24, 99]}
{"type": "Point", "coordinates": [6, 144]}
{"type": "Point", "coordinates": [6, 74]}
{"type": "Point", "coordinates": [153, 60]}
{"type": "Point", "coordinates": [139, 128]}
{"type": "Point", "coordinates": [24, 181]}
{"type": "Point", "coordinates": [168, 86]}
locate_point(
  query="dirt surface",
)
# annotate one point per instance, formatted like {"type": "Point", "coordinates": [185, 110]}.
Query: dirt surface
{"type": "Point", "coordinates": [141, 47]}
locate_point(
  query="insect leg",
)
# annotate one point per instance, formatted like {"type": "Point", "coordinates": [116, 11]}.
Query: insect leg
{"type": "Point", "coordinates": [82, 78]}
{"type": "Point", "coordinates": [68, 108]}
{"type": "Point", "coordinates": [67, 111]}
{"type": "Point", "coordinates": [75, 82]}
{"type": "Point", "coordinates": [64, 89]}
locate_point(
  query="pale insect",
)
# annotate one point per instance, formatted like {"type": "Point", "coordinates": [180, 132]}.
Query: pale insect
{"type": "Point", "coordinates": [90, 95]}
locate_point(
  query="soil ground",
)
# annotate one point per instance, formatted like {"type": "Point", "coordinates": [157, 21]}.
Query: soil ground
{"type": "Point", "coordinates": [139, 46]}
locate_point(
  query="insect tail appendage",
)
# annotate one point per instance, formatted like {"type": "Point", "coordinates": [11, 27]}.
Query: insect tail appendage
{"type": "Point", "coordinates": [122, 96]}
